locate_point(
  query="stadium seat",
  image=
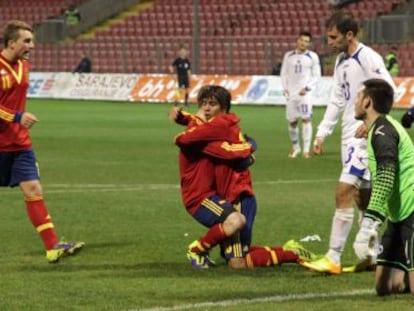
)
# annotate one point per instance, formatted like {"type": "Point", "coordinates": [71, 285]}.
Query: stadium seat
{"type": "Point", "coordinates": [228, 28]}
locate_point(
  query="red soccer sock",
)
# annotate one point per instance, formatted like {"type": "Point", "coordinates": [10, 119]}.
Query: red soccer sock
{"type": "Point", "coordinates": [214, 236]}
{"type": "Point", "coordinates": [39, 216]}
{"type": "Point", "coordinates": [263, 256]}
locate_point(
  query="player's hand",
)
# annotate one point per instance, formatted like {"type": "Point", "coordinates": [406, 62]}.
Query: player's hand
{"type": "Point", "coordinates": [407, 119]}
{"type": "Point", "coordinates": [174, 112]}
{"type": "Point", "coordinates": [28, 119]}
{"type": "Point", "coordinates": [251, 141]}
{"type": "Point", "coordinates": [201, 115]}
{"type": "Point", "coordinates": [302, 92]}
{"type": "Point", "coordinates": [365, 239]}
{"type": "Point", "coordinates": [286, 93]}
{"type": "Point", "coordinates": [362, 131]}
{"type": "Point", "coordinates": [318, 146]}
{"type": "Point", "coordinates": [243, 164]}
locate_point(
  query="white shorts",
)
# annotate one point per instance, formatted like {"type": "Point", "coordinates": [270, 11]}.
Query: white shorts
{"type": "Point", "coordinates": [355, 163]}
{"type": "Point", "coordinates": [299, 107]}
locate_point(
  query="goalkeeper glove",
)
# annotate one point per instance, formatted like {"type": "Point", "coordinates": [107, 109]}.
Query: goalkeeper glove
{"type": "Point", "coordinates": [243, 164]}
{"type": "Point", "coordinates": [365, 239]}
{"type": "Point", "coordinates": [407, 118]}
{"type": "Point", "coordinates": [251, 141]}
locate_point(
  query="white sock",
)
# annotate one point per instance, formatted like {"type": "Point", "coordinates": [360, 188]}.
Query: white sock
{"type": "Point", "coordinates": [294, 136]}
{"type": "Point", "coordinates": [341, 226]}
{"type": "Point", "coordinates": [306, 135]}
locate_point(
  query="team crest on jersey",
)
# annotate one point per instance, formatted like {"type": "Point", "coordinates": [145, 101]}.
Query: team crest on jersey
{"type": "Point", "coordinates": [378, 131]}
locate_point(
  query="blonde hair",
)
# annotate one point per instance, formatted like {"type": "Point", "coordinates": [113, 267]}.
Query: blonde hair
{"type": "Point", "coordinates": [11, 30]}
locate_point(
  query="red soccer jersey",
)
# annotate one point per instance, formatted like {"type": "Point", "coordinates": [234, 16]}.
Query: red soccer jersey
{"type": "Point", "coordinates": [14, 82]}
{"type": "Point", "coordinates": [229, 183]}
{"type": "Point", "coordinates": [197, 172]}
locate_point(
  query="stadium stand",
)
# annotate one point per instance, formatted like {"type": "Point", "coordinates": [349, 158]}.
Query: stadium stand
{"type": "Point", "coordinates": [33, 12]}
{"type": "Point", "coordinates": [236, 36]}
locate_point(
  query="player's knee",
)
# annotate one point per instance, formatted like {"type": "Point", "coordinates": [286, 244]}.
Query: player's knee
{"type": "Point", "coordinates": [388, 289]}
{"type": "Point", "coordinates": [344, 196]}
{"type": "Point", "coordinates": [235, 222]}
{"type": "Point", "coordinates": [31, 188]}
{"type": "Point", "coordinates": [382, 290]}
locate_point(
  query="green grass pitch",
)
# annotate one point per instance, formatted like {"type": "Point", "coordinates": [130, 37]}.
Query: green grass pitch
{"type": "Point", "coordinates": [110, 178]}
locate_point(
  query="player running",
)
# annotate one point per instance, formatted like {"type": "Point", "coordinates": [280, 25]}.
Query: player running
{"type": "Point", "coordinates": [18, 166]}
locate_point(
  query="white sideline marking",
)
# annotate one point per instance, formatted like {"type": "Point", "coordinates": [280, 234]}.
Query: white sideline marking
{"type": "Point", "coordinates": [278, 298]}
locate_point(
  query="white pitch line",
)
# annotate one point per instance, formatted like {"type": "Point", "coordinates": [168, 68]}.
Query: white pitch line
{"type": "Point", "coordinates": [83, 188]}
{"type": "Point", "coordinates": [265, 182]}
{"type": "Point", "coordinates": [278, 298]}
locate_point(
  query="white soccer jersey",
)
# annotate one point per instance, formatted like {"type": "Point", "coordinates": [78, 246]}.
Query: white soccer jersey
{"type": "Point", "coordinates": [350, 72]}
{"type": "Point", "coordinates": [300, 70]}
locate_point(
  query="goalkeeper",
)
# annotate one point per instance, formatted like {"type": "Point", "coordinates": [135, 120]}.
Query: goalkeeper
{"type": "Point", "coordinates": [391, 162]}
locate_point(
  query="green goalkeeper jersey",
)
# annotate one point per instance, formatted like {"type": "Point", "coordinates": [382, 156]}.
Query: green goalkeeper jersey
{"type": "Point", "coordinates": [391, 162]}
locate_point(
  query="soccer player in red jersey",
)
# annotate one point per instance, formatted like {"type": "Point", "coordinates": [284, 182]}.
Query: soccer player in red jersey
{"type": "Point", "coordinates": [18, 164]}
{"type": "Point", "coordinates": [231, 181]}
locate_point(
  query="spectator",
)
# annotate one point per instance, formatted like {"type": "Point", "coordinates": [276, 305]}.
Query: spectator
{"type": "Point", "coordinates": [85, 65]}
{"type": "Point", "coordinates": [391, 61]}
{"type": "Point", "coordinates": [72, 15]}
{"type": "Point", "coordinates": [277, 68]}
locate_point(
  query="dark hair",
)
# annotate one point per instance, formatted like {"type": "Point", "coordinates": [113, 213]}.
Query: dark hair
{"type": "Point", "coordinates": [221, 94]}
{"type": "Point", "coordinates": [11, 30]}
{"type": "Point", "coordinates": [381, 93]}
{"type": "Point", "coordinates": [344, 21]}
{"type": "Point", "coordinates": [306, 34]}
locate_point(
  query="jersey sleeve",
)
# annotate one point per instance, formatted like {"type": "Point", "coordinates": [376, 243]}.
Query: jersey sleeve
{"type": "Point", "coordinates": [284, 72]}
{"type": "Point", "coordinates": [226, 151]}
{"type": "Point", "coordinates": [8, 115]}
{"type": "Point", "coordinates": [385, 140]}
{"type": "Point", "coordinates": [206, 132]}
{"type": "Point", "coordinates": [315, 72]}
{"type": "Point", "coordinates": [185, 118]}
{"type": "Point", "coordinates": [333, 109]}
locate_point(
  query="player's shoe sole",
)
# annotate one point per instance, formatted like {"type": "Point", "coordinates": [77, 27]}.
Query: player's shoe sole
{"type": "Point", "coordinates": [323, 265]}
